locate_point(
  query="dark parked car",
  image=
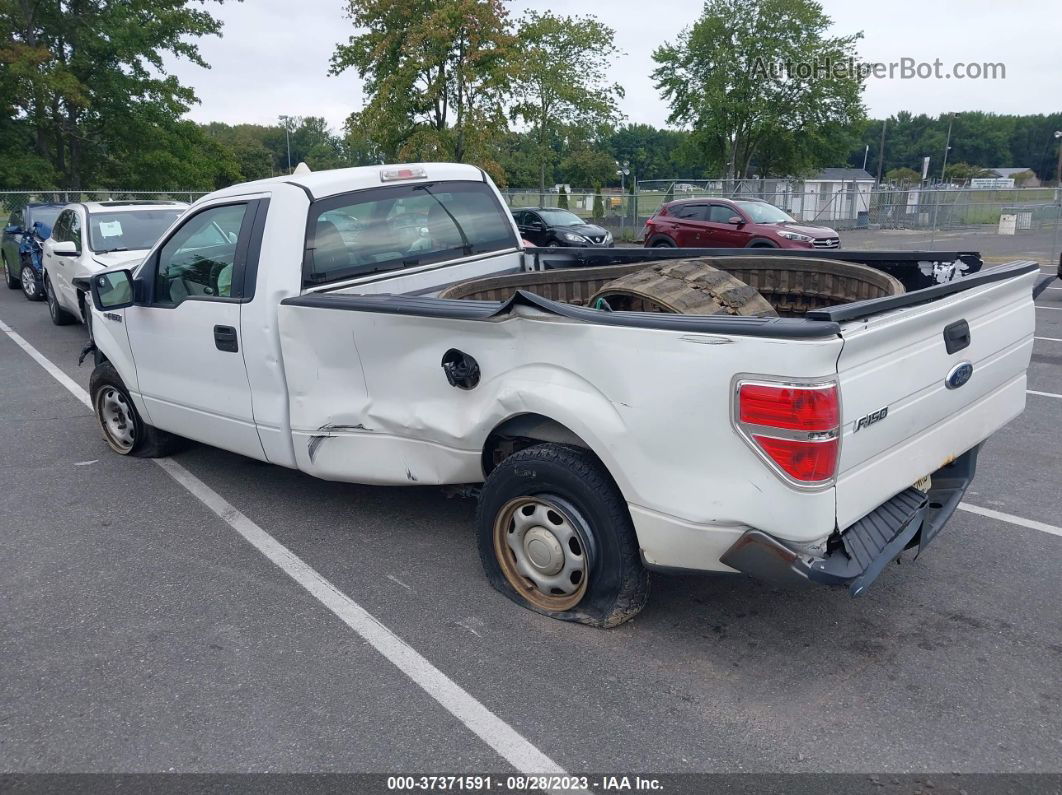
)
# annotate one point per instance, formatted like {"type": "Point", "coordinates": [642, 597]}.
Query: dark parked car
{"type": "Point", "coordinates": [552, 226]}
{"type": "Point", "coordinates": [732, 223]}
{"type": "Point", "coordinates": [20, 249]}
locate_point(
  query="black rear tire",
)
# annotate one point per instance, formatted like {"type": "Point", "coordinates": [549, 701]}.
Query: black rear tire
{"type": "Point", "coordinates": [663, 244]}
{"type": "Point", "coordinates": [110, 398]}
{"type": "Point", "coordinates": [59, 316]}
{"type": "Point", "coordinates": [12, 280]}
{"type": "Point", "coordinates": [574, 484]}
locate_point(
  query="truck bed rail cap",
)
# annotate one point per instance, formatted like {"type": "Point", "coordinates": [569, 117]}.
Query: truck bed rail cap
{"type": "Point", "coordinates": [464, 309]}
{"type": "Point", "coordinates": [859, 310]}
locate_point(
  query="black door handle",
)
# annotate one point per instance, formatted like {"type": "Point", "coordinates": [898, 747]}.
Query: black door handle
{"type": "Point", "coordinates": [225, 339]}
{"type": "Point", "coordinates": [957, 336]}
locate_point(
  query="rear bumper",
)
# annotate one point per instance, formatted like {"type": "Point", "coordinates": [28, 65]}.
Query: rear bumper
{"type": "Point", "coordinates": [856, 557]}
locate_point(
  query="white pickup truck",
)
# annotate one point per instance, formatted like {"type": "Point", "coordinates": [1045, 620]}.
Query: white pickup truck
{"type": "Point", "coordinates": [331, 329]}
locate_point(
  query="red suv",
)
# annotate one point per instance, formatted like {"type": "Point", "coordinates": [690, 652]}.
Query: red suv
{"type": "Point", "coordinates": [732, 223]}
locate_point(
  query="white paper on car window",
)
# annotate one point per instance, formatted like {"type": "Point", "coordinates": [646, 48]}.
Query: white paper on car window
{"type": "Point", "coordinates": [111, 228]}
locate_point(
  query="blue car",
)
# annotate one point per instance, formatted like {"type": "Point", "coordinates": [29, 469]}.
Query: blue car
{"type": "Point", "coordinates": [20, 249]}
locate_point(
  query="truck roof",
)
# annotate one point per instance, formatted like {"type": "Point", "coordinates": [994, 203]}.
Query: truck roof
{"type": "Point", "coordinates": [319, 184]}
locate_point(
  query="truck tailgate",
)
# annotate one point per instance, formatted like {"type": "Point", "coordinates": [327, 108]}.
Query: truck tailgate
{"type": "Point", "coordinates": [900, 419]}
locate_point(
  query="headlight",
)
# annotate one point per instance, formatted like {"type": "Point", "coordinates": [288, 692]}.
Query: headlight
{"type": "Point", "coordinates": [797, 236]}
{"type": "Point", "coordinates": [573, 238]}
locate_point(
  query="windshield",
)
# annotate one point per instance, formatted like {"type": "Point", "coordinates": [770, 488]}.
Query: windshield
{"type": "Point", "coordinates": [560, 218]}
{"type": "Point", "coordinates": [46, 215]}
{"type": "Point", "coordinates": [763, 213]}
{"type": "Point", "coordinates": [130, 230]}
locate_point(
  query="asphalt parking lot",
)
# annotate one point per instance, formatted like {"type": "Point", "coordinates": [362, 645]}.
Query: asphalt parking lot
{"type": "Point", "coordinates": [143, 633]}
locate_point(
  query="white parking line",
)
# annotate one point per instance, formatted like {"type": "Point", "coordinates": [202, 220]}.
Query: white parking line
{"type": "Point", "coordinates": [1048, 339]}
{"type": "Point", "coordinates": [1052, 308]}
{"type": "Point", "coordinates": [496, 733]}
{"type": "Point", "coordinates": [1044, 394]}
{"type": "Point", "coordinates": [1043, 527]}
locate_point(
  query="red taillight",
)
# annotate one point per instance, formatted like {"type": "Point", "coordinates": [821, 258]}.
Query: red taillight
{"type": "Point", "coordinates": [795, 427]}
{"type": "Point", "coordinates": [795, 408]}
{"type": "Point", "coordinates": [808, 462]}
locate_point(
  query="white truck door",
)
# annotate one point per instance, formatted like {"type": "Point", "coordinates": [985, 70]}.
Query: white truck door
{"type": "Point", "coordinates": [185, 335]}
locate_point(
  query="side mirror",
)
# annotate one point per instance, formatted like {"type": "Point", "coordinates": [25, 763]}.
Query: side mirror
{"type": "Point", "coordinates": [112, 290]}
{"type": "Point", "coordinates": [64, 248]}
{"type": "Point", "coordinates": [736, 220]}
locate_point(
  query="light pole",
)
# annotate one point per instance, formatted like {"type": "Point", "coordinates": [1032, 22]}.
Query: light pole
{"type": "Point", "coordinates": [881, 150]}
{"type": "Point", "coordinates": [947, 146]}
{"type": "Point", "coordinates": [1058, 169]}
{"type": "Point", "coordinates": [866, 154]}
{"type": "Point", "coordinates": [623, 171]}
{"type": "Point", "coordinates": [286, 121]}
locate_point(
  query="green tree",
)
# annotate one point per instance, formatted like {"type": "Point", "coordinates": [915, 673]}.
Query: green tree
{"type": "Point", "coordinates": [599, 204]}
{"type": "Point", "coordinates": [964, 172]}
{"type": "Point", "coordinates": [903, 176]}
{"type": "Point", "coordinates": [586, 166]}
{"type": "Point", "coordinates": [744, 78]}
{"type": "Point", "coordinates": [435, 76]}
{"type": "Point", "coordinates": [560, 77]}
{"type": "Point", "coordinates": [89, 79]}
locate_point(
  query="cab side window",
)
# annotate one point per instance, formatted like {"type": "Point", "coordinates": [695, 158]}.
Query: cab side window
{"type": "Point", "coordinates": [60, 232]}
{"type": "Point", "coordinates": [693, 212]}
{"type": "Point", "coordinates": [721, 214]}
{"type": "Point", "coordinates": [73, 229]}
{"type": "Point", "coordinates": [199, 259]}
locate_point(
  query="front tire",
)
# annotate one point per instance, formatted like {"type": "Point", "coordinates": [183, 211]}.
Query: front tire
{"type": "Point", "coordinates": [119, 421]}
{"type": "Point", "coordinates": [663, 243]}
{"type": "Point", "coordinates": [59, 316]}
{"type": "Point", "coordinates": [555, 536]}
{"type": "Point", "coordinates": [30, 288]}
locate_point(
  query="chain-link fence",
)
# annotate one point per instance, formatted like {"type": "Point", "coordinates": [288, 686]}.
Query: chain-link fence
{"type": "Point", "coordinates": [841, 205]}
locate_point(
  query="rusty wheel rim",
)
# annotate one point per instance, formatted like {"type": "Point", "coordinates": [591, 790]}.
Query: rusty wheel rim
{"type": "Point", "coordinates": [541, 548]}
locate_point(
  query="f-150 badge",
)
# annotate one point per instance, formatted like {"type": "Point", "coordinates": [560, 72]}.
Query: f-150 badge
{"type": "Point", "coordinates": [871, 418]}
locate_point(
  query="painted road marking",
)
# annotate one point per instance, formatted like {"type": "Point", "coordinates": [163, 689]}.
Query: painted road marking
{"type": "Point", "coordinates": [1048, 339]}
{"type": "Point", "coordinates": [496, 733]}
{"type": "Point", "coordinates": [1052, 308]}
{"type": "Point", "coordinates": [1043, 527]}
{"type": "Point", "coordinates": [1044, 394]}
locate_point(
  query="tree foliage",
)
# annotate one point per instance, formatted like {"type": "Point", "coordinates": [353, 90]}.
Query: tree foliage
{"type": "Point", "coordinates": [737, 78]}
{"type": "Point", "coordinates": [983, 140]}
{"type": "Point", "coordinates": [560, 78]}
{"type": "Point", "coordinates": [86, 82]}
{"type": "Point", "coordinates": [435, 73]}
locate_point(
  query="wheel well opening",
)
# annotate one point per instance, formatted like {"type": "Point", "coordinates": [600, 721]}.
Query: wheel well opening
{"type": "Point", "coordinates": [522, 431]}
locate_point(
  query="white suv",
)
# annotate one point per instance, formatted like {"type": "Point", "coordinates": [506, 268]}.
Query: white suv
{"type": "Point", "coordinates": [92, 236]}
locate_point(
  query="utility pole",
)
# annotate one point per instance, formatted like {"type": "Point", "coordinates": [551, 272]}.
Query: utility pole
{"type": "Point", "coordinates": [866, 154]}
{"type": "Point", "coordinates": [286, 121]}
{"type": "Point", "coordinates": [1058, 170]}
{"type": "Point", "coordinates": [947, 146]}
{"type": "Point", "coordinates": [881, 149]}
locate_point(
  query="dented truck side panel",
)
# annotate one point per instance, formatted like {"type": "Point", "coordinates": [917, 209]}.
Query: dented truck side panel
{"type": "Point", "coordinates": [370, 403]}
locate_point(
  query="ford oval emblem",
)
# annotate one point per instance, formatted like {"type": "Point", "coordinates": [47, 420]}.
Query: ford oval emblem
{"type": "Point", "coordinates": [959, 375]}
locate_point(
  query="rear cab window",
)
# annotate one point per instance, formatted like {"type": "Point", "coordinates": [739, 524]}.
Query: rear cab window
{"type": "Point", "coordinates": [403, 226]}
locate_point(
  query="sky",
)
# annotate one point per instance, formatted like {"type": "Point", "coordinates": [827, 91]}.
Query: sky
{"type": "Point", "coordinates": [272, 62]}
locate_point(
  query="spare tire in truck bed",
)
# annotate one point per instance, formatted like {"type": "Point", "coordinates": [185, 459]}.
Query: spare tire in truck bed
{"type": "Point", "coordinates": [685, 287]}
{"type": "Point", "coordinates": [792, 285]}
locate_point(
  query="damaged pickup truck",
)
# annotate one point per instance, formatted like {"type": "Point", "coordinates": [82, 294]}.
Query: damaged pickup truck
{"type": "Point", "coordinates": [798, 416]}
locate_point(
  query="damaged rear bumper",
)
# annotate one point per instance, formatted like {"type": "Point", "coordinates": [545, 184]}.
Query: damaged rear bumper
{"type": "Point", "coordinates": [856, 557]}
